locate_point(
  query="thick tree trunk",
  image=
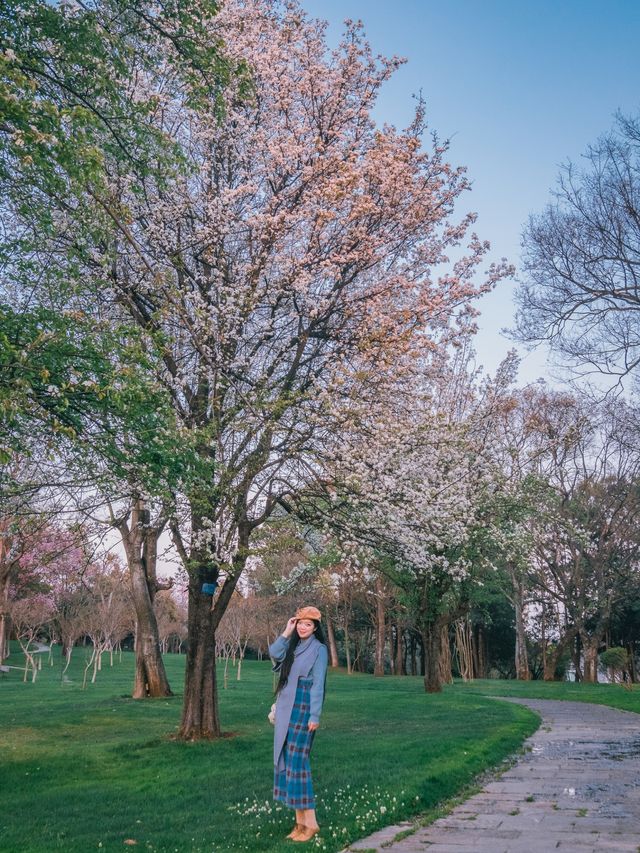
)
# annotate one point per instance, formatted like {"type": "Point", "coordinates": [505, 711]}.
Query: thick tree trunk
{"type": "Point", "coordinates": [523, 673]}
{"type": "Point", "coordinates": [331, 638]}
{"type": "Point", "coordinates": [150, 675]}
{"type": "Point", "coordinates": [378, 666]}
{"type": "Point", "coordinates": [464, 647]}
{"type": "Point", "coordinates": [479, 653]}
{"type": "Point", "coordinates": [140, 544]}
{"type": "Point", "coordinates": [590, 651]}
{"type": "Point", "coordinates": [413, 654]}
{"type": "Point", "coordinates": [549, 665]}
{"type": "Point", "coordinates": [432, 643]}
{"type": "Point", "coordinates": [200, 717]}
{"type": "Point", "coordinates": [399, 656]}
{"type": "Point", "coordinates": [347, 647]}
{"type": "Point", "coordinates": [552, 657]}
{"type": "Point", "coordinates": [632, 664]}
{"type": "Point", "coordinates": [4, 616]}
{"type": "Point", "coordinates": [576, 652]}
{"type": "Point", "coordinates": [445, 656]}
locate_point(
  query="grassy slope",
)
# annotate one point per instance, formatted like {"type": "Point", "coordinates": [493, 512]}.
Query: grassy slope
{"type": "Point", "coordinates": [88, 770]}
{"type": "Point", "coordinates": [614, 695]}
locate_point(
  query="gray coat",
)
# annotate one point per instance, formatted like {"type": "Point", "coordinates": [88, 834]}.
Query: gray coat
{"type": "Point", "coordinates": [308, 653]}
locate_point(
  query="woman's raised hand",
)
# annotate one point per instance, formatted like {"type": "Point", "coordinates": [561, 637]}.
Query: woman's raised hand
{"type": "Point", "coordinates": [291, 627]}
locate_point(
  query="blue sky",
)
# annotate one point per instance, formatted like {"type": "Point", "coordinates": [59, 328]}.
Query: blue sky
{"type": "Point", "coordinates": [519, 87]}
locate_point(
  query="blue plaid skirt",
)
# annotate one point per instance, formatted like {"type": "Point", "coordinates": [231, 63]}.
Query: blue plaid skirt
{"type": "Point", "coordinates": [292, 786]}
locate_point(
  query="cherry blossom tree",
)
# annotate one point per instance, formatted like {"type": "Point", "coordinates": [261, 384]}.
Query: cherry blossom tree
{"type": "Point", "coordinates": [38, 554]}
{"type": "Point", "coordinates": [302, 261]}
{"type": "Point", "coordinates": [420, 494]}
{"type": "Point", "coordinates": [292, 275]}
{"type": "Point", "coordinates": [61, 557]}
{"type": "Point", "coordinates": [42, 558]}
{"type": "Point", "coordinates": [71, 111]}
{"type": "Point", "coordinates": [19, 526]}
{"type": "Point", "coordinates": [72, 607]}
{"type": "Point", "coordinates": [521, 496]}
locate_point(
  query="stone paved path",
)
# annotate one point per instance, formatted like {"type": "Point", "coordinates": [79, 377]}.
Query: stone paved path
{"type": "Point", "coordinates": [577, 789]}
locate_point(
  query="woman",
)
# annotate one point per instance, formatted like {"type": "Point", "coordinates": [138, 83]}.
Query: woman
{"type": "Point", "coordinates": [300, 657]}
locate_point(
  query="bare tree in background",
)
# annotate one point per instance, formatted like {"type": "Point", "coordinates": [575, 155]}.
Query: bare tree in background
{"type": "Point", "coordinates": [29, 618]}
{"type": "Point", "coordinates": [237, 628]}
{"type": "Point", "coordinates": [171, 616]}
{"type": "Point", "coordinates": [581, 291]}
{"type": "Point", "coordinates": [112, 614]}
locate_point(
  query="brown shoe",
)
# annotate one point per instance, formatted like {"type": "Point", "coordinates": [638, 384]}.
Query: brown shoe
{"type": "Point", "coordinates": [297, 829]}
{"type": "Point", "coordinates": [308, 832]}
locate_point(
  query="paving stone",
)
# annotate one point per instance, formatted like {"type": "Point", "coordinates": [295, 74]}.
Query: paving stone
{"type": "Point", "coordinates": [582, 771]}
{"type": "Point", "coordinates": [619, 842]}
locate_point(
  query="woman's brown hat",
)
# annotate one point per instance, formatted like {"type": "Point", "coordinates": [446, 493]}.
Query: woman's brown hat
{"type": "Point", "coordinates": [308, 613]}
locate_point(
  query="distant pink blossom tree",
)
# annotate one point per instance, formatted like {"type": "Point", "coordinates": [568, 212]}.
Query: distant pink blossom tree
{"type": "Point", "coordinates": [39, 560]}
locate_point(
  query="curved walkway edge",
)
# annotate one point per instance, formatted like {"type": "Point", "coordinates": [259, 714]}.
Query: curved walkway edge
{"type": "Point", "coordinates": [576, 788]}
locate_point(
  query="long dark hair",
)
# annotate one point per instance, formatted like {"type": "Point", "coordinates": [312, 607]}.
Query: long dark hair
{"type": "Point", "coordinates": [287, 663]}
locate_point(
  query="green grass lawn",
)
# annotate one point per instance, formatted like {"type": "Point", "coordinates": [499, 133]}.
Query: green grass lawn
{"type": "Point", "coordinates": [614, 695]}
{"type": "Point", "coordinates": [92, 769]}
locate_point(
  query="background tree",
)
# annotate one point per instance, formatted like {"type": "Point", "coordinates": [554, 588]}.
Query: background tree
{"type": "Point", "coordinates": [140, 537]}
{"type": "Point", "coordinates": [43, 553]}
{"type": "Point", "coordinates": [36, 551]}
{"type": "Point", "coordinates": [171, 616]}
{"type": "Point", "coordinates": [30, 616]}
{"type": "Point", "coordinates": [63, 556]}
{"type": "Point", "coordinates": [110, 617]}
{"type": "Point", "coordinates": [236, 630]}
{"type": "Point", "coordinates": [625, 624]}
{"type": "Point", "coordinates": [585, 547]}
{"type": "Point", "coordinates": [417, 493]}
{"type": "Point", "coordinates": [520, 450]}
{"type": "Point", "coordinates": [581, 258]}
